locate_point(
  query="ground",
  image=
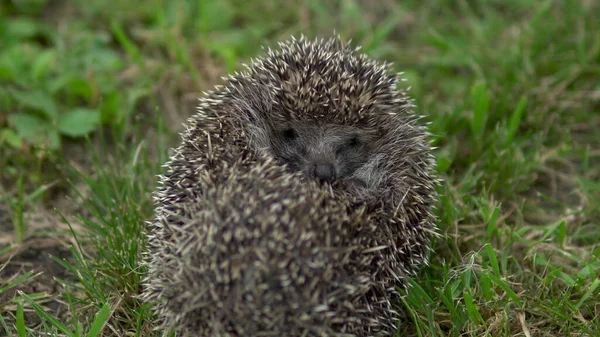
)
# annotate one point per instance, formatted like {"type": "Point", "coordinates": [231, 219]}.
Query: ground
{"type": "Point", "coordinates": [93, 93]}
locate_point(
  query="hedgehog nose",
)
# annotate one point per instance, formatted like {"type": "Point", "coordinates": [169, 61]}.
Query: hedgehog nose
{"type": "Point", "coordinates": [324, 172]}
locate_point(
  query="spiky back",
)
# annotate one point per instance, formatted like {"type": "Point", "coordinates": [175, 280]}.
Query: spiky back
{"type": "Point", "coordinates": [324, 81]}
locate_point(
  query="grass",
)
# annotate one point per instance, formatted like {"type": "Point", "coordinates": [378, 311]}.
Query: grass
{"type": "Point", "coordinates": [510, 87]}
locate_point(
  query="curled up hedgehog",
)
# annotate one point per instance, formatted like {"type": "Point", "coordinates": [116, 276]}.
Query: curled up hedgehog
{"type": "Point", "coordinates": [300, 197]}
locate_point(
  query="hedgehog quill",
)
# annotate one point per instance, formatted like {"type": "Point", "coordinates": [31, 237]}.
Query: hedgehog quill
{"type": "Point", "coordinates": [301, 195]}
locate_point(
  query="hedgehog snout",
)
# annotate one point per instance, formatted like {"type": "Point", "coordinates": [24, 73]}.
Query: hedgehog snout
{"type": "Point", "coordinates": [324, 171]}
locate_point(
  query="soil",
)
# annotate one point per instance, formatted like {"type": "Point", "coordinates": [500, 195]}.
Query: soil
{"type": "Point", "coordinates": [34, 255]}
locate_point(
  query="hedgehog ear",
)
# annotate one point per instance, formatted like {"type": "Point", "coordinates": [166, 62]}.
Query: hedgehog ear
{"type": "Point", "coordinates": [252, 101]}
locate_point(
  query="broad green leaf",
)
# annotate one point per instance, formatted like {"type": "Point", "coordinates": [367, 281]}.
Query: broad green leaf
{"type": "Point", "coordinates": [11, 138]}
{"type": "Point", "coordinates": [77, 86]}
{"type": "Point", "coordinates": [79, 122]}
{"type": "Point", "coordinates": [38, 100]}
{"type": "Point", "coordinates": [59, 83]}
{"type": "Point", "coordinates": [30, 7]}
{"type": "Point", "coordinates": [443, 164]}
{"type": "Point", "coordinates": [35, 130]}
{"type": "Point", "coordinates": [53, 139]}
{"type": "Point", "coordinates": [42, 64]}
{"type": "Point", "coordinates": [27, 125]}
{"type": "Point", "coordinates": [110, 106]}
{"type": "Point", "coordinates": [21, 28]}
{"type": "Point", "coordinates": [15, 61]}
{"type": "Point", "coordinates": [103, 59]}
{"type": "Point", "coordinates": [6, 72]}
{"type": "Point", "coordinates": [585, 272]}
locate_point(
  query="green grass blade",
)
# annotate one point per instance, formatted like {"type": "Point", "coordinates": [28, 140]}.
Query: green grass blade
{"type": "Point", "coordinates": [588, 293]}
{"type": "Point", "coordinates": [5, 327]}
{"type": "Point", "coordinates": [491, 255]}
{"type": "Point", "coordinates": [472, 310]}
{"type": "Point", "coordinates": [20, 320]}
{"type": "Point", "coordinates": [481, 105]}
{"type": "Point", "coordinates": [515, 120]}
{"type": "Point", "coordinates": [46, 316]}
{"type": "Point", "coordinates": [18, 281]}
{"type": "Point", "coordinates": [492, 225]}
{"type": "Point", "coordinates": [507, 289]}
{"type": "Point", "coordinates": [99, 321]}
{"type": "Point", "coordinates": [129, 46]}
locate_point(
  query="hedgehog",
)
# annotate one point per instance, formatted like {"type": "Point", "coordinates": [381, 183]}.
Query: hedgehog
{"type": "Point", "coordinates": [274, 264]}
{"type": "Point", "coordinates": [301, 197]}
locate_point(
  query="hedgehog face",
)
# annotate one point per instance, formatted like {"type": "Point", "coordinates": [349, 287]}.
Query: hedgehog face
{"type": "Point", "coordinates": [326, 152]}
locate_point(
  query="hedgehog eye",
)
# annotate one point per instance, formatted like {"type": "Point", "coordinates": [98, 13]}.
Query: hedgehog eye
{"type": "Point", "coordinates": [354, 141]}
{"type": "Point", "coordinates": [290, 134]}
{"type": "Point", "coordinates": [350, 144]}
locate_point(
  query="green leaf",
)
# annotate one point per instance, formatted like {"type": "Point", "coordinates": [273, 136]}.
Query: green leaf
{"type": "Point", "coordinates": [585, 272]}
{"type": "Point", "coordinates": [38, 100]}
{"type": "Point", "coordinates": [27, 125]}
{"type": "Point", "coordinates": [53, 139]}
{"type": "Point", "coordinates": [79, 122]}
{"type": "Point", "coordinates": [443, 164]}
{"type": "Point", "coordinates": [15, 62]}
{"type": "Point", "coordinates": [77, 86]}
{"type": "Point", "coordinates": [11, 138]}
{"type": "Point", "coordinates": [110, 106]}
{"type": "Point", "coordinates": [21, 28]}
{"type": "Point", "coordinates": [103, 59]}
{"type": "Point", "coordinates": [42, 64]}
{"type": "Point", "coordinates": [6, 72]}
{"type": "Point", "coordinates": [30, 7]}
{"type": "Point", "coordinates": [58, 83]}
{"type": "Point", "coordinates": [34, 130]}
